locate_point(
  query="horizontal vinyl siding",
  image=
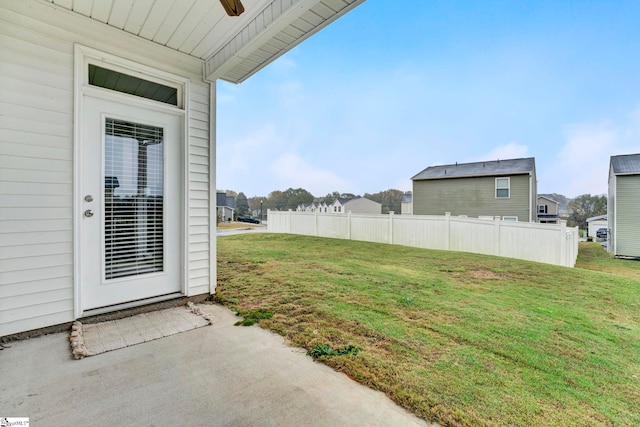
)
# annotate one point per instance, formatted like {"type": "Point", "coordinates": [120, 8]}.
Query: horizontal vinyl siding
{"type": "Point", "coordinates": [473, 197]}
{"type": "Point", "coordinates": [199, 258]}
{"type": "Point", "coordinates": [628, 216]}
{"type": "Point", "coordinates": [36, 158]}
{"type": "Point", "coordinates": [36, 179]}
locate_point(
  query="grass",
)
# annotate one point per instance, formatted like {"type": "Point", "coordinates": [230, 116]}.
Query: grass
{"type": "Point", "coordinates": [592, 256]}
{"type": "Point", "coordinates": [457, 338]}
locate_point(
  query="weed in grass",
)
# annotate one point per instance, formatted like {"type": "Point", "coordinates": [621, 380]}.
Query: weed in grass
{"type": "Point", "coordinates": [406, 301]}
{"type": "Point", "coordinates": [251, 317]}
{"type": "Point", "coordinates": [320, 350]}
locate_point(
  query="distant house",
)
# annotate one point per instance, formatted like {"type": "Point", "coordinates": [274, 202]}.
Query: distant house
{"type": "Point", "coordinates": [596, 222]}
{"type": "Point", "coordinates": [360, 205]}
{"type": "Point", "coordinates": [225, 206]}
{"type": "Point", "coordinates": [547, 210]}
{"type": "Point", "coordinates": [316, 206]}
{"type": "Point", "coordinates": [504, 188]}
{"type": "Point", "coordinates": [623, 205]}
{"type": "Point", "coordinates": [406, 204]}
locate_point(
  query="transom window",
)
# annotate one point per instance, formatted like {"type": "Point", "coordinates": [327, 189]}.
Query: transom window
{"type": "Point", "coordinates": [502, 188]}
{"type": "Point", "coordinates": [120, 82]}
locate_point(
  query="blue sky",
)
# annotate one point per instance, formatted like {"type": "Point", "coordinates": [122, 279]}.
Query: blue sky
{"type": "Point", "coordinates": [394, 87]}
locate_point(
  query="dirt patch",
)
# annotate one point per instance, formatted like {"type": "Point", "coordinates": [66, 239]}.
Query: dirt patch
{"type": "Point", "coordinates": [483, 274]}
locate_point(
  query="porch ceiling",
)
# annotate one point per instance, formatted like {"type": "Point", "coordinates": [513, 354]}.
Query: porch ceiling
{"type": "Point", "coordinates": [232, 48]}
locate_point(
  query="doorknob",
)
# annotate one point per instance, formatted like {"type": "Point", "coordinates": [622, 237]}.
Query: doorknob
{"type": "Point", "coordinates": [88, 198]}
{"type": "Point", "coordinates": [88, 213]}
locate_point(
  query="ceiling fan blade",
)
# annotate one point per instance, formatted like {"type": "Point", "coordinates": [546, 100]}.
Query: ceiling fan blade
{"type": "Point", "coordinates": [232, 7]}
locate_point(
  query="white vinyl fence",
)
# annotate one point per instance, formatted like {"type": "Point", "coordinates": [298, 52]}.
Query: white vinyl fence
{"type": "Point", "coordinates": [549, 243]}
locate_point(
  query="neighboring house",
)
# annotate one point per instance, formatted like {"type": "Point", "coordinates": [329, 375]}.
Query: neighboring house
{"type": "Point", "coordinates": [504, 188]}
{"type": "Point", "coordinates": [313, 207]}
{"type": "Point", "coordinates": [623, 205]}
{"type": "Point", "coordinates": [406, 204]}
{"type": "Point", "coordinates": [225, 205]}
{"type": "Point", "coordinates": [356, 205]}
{"type": "Point", "coordinates": [108, 145]}
{"type": "Point", "coordinates": [547, 210]}
{"type": "Point", "coordinates": [596, 222]}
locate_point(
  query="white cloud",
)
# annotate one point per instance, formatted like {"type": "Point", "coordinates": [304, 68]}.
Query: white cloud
{"type": "Point", "coordinates": [293, 171]}
{"type": "Point", "coordinates": [512, 150]}
{"type": "Point", "coordinates": [582, 164]}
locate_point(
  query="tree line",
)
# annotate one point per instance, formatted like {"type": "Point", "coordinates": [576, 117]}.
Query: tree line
{"type": "Point", "coordinates": [579, 208]}
{"type": "Point", "coordinates": [291, 198]}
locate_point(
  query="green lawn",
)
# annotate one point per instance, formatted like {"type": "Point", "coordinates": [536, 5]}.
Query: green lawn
{"type": "Point", "coordinates": [457, 338]}
{"type": "Point", "coordinates": [593, 257]}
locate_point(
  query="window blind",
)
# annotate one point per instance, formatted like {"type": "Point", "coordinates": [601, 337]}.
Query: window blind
{"type": "Point", "coordinates": [133, 199]}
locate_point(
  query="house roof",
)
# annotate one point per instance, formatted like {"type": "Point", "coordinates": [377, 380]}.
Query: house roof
{"type": "Point", "coordinates": [628, 164]}
{"type": "Point", "coordinates": [490, 168]}
{"type": "Point", "coordinates": [596, 218]}
{"type": "Point", "coordinates": [232, 48]}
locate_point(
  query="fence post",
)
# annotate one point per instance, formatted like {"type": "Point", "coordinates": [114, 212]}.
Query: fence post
{"type": "Point", "coordinates": [315, 223]}
{"type": "Point", "coordinates": [391, 227]}
{"type": "Point", "coordinates": [348, 225]}
{"type": "Point", "coordinates": [289, 222]}
{"type": "Point", "coordinates": [496, 236]}
{"type": "Point", "coordinates": [563, 244]}
{"type": "Point", "coordinates": [447, 229]}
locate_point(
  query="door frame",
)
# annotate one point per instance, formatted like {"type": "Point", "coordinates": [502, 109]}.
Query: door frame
{"type": "Point", "coordinates": [83, 56]}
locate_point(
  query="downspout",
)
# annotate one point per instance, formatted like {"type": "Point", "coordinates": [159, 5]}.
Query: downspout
{"type": "Point", "coordinates": [531, 197]}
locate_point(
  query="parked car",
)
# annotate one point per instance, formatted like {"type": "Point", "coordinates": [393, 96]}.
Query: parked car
{"type": "Point", "coordinates": [248, 218]}
{"type": "Point", "coordinates": [602, 233]}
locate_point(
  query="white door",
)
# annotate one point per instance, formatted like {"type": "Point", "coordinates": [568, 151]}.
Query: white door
{"type": "Point", "coordinates": [130, 203]}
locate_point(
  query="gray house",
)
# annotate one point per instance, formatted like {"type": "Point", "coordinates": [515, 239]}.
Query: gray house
{"type": "Point", "coordinates": [623, 205]}
{"type": "Point", "coordinates": [225, 205]}
{"type": "Point", "coordinates": [504, 188]}
{"type": "Point", "coordinates": [356, 205]}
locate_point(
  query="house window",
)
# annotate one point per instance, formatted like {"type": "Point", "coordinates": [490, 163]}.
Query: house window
{"type": "Point", "coordinates": [120, 82]}
{"type": "Point", "coordinates": [542, 209]}
{"type": "Point", "coordinates": [502, 188]}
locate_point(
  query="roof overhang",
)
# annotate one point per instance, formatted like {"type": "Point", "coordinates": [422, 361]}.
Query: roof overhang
{"type": "Point", "coordinates": [231, 48]}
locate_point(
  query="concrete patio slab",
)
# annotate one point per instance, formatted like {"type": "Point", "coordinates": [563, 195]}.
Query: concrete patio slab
{"type": "Point", "coordinates": [222, 375]}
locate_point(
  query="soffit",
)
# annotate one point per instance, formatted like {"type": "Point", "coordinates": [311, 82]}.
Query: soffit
{"type": "Point", "coordinates": [232, 48]}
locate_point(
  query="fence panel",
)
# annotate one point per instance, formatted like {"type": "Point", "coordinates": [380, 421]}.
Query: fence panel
{"type": "Point", "coordinates": [370, 228]}
{"type": "Point", "coordinates": [547, 243]}
{"type": "Point", "coordinates": [473, 235]}
{"type": "Point", "coordinates": [426, 232]}
{"type": "Point", "coordinates": [332, 225]}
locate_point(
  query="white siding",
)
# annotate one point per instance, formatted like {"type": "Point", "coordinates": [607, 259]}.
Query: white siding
{"type": "Point", "coordinates": [36, 157]}
{"type": "Point", "coordinates": [628, 215]}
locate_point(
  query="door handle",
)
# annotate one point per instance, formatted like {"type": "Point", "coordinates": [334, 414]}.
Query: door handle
{"type": "Point", "coordinates": [88, 213]}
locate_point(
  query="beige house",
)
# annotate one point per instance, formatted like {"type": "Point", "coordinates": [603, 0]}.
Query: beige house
{"type": "Point", "coordinates": [357, 205]}
{"type": "Point", "coordinates": [503, 188]}
{"type": "Point", "coordinates": [108, 145]}
{"type": "Point", "coordinates": [623, 205]}
{"type": "Point", "coordinates": [547, 210]}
